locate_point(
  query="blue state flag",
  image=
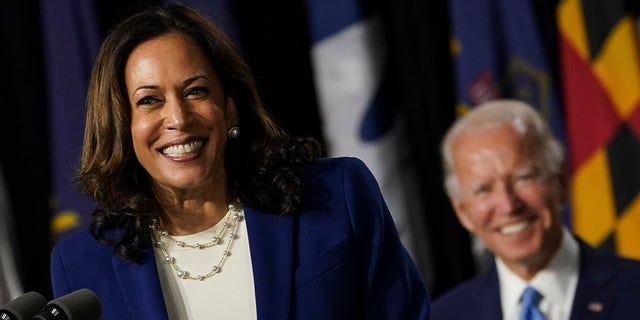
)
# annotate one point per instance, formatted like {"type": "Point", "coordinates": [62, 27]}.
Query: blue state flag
{"type": "Point", "coordinates": [71, 39]}
{"type": "Point", "coordinates": [499, 52]}
{"type": "Point", "coordinates": [222, 12]}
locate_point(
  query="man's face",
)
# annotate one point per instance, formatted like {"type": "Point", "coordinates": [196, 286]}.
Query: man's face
{"type": "Point", "coordinates": [506, 197]}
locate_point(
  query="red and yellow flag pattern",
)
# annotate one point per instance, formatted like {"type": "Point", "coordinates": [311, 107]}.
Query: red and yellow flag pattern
{"type": "Point", "coordinates": [600, 72]}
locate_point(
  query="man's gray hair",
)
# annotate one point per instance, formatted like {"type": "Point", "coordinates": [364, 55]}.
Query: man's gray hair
{"type": "Point", "coordinates": [522, 117]}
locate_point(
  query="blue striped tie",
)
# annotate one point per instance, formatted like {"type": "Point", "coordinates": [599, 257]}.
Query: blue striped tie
{"type": "Point", "coordinates": [530, 299]}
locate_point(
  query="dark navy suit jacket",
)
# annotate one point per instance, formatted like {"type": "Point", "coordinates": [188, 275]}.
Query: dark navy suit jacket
{"type": "Point", "coordinates": [608, 288]}
{"type": "Point", "coordinates": [340, 259]}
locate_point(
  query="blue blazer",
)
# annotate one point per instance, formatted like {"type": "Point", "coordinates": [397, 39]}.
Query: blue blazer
{"type": "Point", "coordinates": [608, 288]}
{"type": "Point", "coordinates": [340, 259]}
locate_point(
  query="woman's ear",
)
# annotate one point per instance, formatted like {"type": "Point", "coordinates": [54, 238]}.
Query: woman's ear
{"type": "Point", "coordinates": [231, 113]}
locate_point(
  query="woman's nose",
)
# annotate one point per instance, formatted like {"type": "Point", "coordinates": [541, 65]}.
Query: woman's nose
{"type": "Point", "coordinates": [177, 114]}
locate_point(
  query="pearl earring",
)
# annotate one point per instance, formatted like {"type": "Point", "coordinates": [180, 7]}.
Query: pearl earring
{"type": "Point", "coordinates": [234, 132]}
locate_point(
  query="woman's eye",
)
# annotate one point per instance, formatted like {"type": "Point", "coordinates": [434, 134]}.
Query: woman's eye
{"type": "Point", "coordinates": [147, 100]}
{"type": "Point", "coordinates": [196, 92]}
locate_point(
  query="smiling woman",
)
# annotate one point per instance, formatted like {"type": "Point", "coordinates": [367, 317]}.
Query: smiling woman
{"type": "Point", "coordinates": [180, 116]}
{"type": "Point", "coordinates": [205, 206]}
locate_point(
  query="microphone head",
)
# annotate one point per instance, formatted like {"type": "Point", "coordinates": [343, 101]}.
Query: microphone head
{"type": "Point", "coordinates": [82, 304]}
{"type": "Point", "coordinates": [23, 307]}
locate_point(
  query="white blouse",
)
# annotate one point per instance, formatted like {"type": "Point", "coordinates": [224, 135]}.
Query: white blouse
{"type": "Point", "coordinates": [228, 294]}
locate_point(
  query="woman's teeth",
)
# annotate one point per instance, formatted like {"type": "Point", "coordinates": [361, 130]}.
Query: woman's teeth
{"type": "Point", "coordinates": [182, 149]}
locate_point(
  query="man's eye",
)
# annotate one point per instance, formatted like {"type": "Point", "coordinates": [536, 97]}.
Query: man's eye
{"type": "Point", "coordinates": [481, 189]}
{"type": "Point", "coordinates": [527, 175]}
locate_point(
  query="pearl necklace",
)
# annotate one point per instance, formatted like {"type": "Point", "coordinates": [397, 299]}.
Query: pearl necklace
{"type": "Point", "coordinates": [229, 228]}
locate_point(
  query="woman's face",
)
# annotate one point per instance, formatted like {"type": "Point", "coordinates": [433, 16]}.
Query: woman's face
{"type": "Point", "coordinates": [179, 114]}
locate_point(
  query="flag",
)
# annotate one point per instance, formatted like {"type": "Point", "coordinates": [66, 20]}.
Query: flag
{"type": "Point", "coordinates": [71, 38]}
{"type": "Point", "coordinates": [600, 71]}
{"type": "Point", "coordinates": [10, 286]}
{"type": "Point", "coordinates": [499, 52]}
{"type": "Point", "coordinates": [348, 61]}
{"type": "Point", "coordinates": [222, 12]}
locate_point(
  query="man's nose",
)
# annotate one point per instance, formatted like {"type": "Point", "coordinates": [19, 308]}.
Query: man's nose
{"type": "Point", "coordinates": [507, 199]}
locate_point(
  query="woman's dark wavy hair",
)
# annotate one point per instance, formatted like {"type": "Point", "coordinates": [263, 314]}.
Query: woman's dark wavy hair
{"type": "Point", "coordinates": [261, 164]}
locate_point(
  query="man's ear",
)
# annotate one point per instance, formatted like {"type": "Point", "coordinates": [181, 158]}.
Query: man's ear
{"type": "Point", "coordinates": [461, 213]}
{"type": "Point", "coordinates": [560, 189]}
{"type": "Point", "coordinates": [564, 184]}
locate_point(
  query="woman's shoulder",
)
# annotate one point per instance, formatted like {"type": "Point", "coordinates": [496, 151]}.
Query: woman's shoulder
{"type": "Point", "coordinates": [347, 175]}
{"type": "Point", "coordinates": [79, 242]}
{"type": "Point", "coordinates": [345, 168]}
{"type": "Point", "coordinates": [337, 164]}
{"type": "Point", "coordinates": [79, 236]}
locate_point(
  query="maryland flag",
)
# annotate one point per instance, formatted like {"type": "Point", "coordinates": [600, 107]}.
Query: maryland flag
{"type": "Point", "coordinates": [600, 71]}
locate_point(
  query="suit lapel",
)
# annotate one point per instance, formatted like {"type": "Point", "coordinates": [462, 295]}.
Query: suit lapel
{"type": "Point", "coordinates": [140, 287]}
{"type": "Point", "coordinates": [272, 242]}
{"type": "Point", "coordinates": [486, 296]}
{"type": "Point", "coordinates": [593, 288]}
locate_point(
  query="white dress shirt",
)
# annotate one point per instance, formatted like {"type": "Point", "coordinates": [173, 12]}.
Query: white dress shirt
{"type": "Point", "coordinates": [557, 283]}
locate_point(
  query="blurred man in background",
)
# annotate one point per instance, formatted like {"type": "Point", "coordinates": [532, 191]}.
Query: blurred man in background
{"type": "Point", "coordinates": [504, 177]}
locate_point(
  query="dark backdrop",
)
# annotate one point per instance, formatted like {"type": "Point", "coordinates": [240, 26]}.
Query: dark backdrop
{"type": "Point", "coordinates": [273, 36]}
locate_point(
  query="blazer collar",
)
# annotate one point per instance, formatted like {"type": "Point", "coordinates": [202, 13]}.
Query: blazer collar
{"type": "Point", "coordinates": [590, 301]}
{"type": "Point", "coordinates": [140, 287]}
{"type": "Point", "coordinates": [271, 238]}
{"type": "Point", "coordinates": [487, 295]}
{"type": "Point", "coordinates": [272, 246]}
{"type": "Point", "coordinates": [272, 250]}
{"type": "Point", "coordinates": [593, 293]}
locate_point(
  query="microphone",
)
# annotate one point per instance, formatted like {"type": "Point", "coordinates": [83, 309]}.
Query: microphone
{"type": "Point", "coordinates": [81, 304]}
{"type": "Point", "coordinates": [23, 307]}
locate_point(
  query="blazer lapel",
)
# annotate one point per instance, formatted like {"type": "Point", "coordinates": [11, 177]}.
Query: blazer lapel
{"type": "Point", "coordinates": [271, 242]}
{"type": "Point", "coordinates": [486, 297]}
{"type": "Point", "coordinates": [140, 287]}
{"type": "Point", "coordinates": [593, 288]}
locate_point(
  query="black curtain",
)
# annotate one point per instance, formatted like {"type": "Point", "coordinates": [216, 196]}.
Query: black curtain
{"type": "Point", "coordinates": [422, 74]}
{"type": "Point", "coordinates": [25, 158]}
{"type": "Point", "coordinates": [275, 41]}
